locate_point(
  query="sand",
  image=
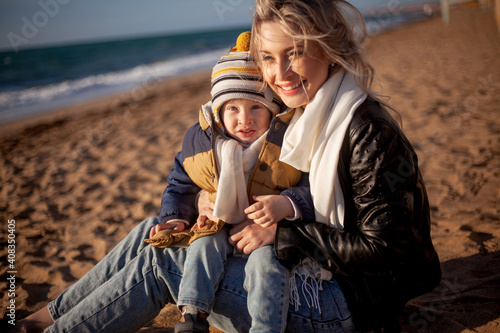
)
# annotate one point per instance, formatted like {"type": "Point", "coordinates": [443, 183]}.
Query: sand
{"type": "Point", "coordinates": [76, 181]}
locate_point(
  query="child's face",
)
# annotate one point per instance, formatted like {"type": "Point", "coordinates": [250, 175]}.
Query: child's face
{"type": "Point", "coordinates": [245, 120]}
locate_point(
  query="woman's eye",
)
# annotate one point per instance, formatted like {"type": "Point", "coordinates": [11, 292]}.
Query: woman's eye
{"type": "Point", "coordinates": [267, 58]}
{"type": "Point", "coordinates": [295, 54]}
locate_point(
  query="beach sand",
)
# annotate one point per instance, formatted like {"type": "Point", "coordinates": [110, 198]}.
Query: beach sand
{"type": "Point", "coordinates": [78, 180]}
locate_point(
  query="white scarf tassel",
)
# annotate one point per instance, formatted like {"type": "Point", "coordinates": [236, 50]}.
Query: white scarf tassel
{"type": "Point", "coordinates": [311, 276]}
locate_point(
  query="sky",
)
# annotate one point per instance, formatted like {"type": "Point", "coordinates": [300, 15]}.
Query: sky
{"type": "Point", "coordinates": [33, 23]}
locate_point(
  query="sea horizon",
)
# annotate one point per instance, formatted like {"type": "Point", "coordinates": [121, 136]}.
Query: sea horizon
{"type": "Point", "coordinates": [40, 79]}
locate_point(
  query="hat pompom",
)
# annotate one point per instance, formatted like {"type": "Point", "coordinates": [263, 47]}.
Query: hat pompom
{"type": "Point", "coordinates": [243, 42]}
{"type": "Point", "coordinates": [237, 76]}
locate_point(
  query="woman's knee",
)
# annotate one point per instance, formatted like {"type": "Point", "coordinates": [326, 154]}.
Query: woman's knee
{"type": "Point", "coordinates": [141, 231]}
{"type": "Point", "coordinates": [149, 222]}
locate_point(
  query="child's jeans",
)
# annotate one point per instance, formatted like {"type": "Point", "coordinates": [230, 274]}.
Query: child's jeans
{"type": "Point", "coordinates": [264, 277]}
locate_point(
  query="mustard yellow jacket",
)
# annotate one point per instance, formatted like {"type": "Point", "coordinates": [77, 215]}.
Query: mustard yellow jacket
{"type": "Point", "coordinates": [195, 169]}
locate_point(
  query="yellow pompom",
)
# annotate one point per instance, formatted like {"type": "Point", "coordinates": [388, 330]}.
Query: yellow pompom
{"type": "Point", "coordinates": [243, 42]}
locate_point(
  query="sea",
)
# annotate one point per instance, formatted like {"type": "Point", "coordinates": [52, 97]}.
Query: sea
{"type": "Point", "coordinates": [33, 81]}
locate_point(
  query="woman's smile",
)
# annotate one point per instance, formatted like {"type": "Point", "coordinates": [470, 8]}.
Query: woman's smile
{"type": "Point", "coordinates": [290, 89]}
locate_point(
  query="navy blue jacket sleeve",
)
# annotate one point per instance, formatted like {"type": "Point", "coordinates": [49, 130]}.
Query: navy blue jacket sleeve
{"type": "Point", "coordinates": [178, 201]}
{"type": "Point", "coordinates": [300, 194]}
{"type": "Point", "coordinates": [179, 198]}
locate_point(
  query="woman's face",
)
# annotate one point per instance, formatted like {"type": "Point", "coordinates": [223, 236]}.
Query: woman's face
{"type": "Point", "coordinates": [293, 74]}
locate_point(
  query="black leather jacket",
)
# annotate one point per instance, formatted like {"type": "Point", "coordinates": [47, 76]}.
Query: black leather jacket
{"type": "Point", "coordinates": [384, 255]}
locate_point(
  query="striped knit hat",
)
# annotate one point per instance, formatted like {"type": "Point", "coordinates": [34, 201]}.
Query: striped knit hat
{"type": "Point", "coordinates": [237, 76]}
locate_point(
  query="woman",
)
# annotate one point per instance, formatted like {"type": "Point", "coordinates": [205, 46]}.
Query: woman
{"type": "Point", "coordinates": [372, 225]}
{"type": "Point", "coordinates": [369, 249]}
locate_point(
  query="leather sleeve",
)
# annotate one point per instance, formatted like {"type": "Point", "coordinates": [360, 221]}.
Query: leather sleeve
{"type": "Point", "coordinates": [379, 176]}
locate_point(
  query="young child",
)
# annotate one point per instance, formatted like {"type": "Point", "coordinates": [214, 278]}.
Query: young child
{"type": "Point", "coordinates": [224, 152]}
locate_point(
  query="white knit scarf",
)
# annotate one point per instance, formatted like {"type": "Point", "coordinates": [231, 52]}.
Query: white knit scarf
{"type": "Point", "coordinates": [312, 144]}
{"type": "Point", "coordinates": [235, 164]}
{"type": "Point", "coordinates": [313, 140]}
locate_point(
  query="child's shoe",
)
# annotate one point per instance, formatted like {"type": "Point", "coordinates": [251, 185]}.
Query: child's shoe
{"type": "Point", "coordinates": [193, 323]}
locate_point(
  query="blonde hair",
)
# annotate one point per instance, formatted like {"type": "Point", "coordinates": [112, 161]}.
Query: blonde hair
{"type": "Point", "coordinates": [336, 27]}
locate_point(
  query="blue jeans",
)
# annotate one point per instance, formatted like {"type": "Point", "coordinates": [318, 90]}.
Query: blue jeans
{"type": "Point", "coordinates": [265, 280]}
{"type": "Point", "coordinates": [130, 285]}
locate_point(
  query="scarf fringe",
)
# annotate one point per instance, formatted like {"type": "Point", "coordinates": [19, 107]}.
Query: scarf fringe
{"type": "Point", "coordinates": [310, 287]}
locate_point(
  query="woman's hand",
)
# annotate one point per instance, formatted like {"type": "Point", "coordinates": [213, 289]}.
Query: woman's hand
{"type": "Point", "coordinates": [176, 225]}
{"type": "Point", "coordinates": [249, 236]}
{"type": "Point", "coordinates": [205, 206]}
{"type": "Point", "coordinates": [202, 221]}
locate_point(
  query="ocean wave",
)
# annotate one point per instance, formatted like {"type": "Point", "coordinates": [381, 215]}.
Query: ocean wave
{"type": "Point", "coordinates": [42, 98]}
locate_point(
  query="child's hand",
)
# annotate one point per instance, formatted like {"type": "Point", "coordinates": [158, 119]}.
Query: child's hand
{"type": "Point", "coordinates": [176, 225]}
{"type": "Point", "coordinates": [269, 209]}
